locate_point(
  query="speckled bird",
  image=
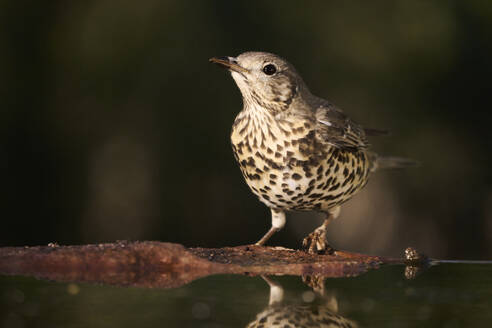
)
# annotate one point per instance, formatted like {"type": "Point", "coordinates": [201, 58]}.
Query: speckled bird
{"type": "Point", "coordinates": [296, 316]}
{"type": "Point", "coordinates": [296, 151]}
{"type": "Point", "coordinates": [321, 313]}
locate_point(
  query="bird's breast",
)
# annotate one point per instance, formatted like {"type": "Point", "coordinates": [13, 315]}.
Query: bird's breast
{"type": "Point", "coordinates": [285, 165]}
{"type": "Point", "coordinates": [272, 143]}
{"type": "Point", "coordinates": [275, 156]}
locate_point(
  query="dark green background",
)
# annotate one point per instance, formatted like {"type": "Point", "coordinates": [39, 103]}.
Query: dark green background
{"type": "Point", "coordinates": [115, 126]}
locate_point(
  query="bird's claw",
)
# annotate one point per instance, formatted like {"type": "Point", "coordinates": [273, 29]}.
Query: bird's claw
{"type": "Point", "coordinates": [316, 282]}
{"type": "Point", "coordinates": [315, 242]}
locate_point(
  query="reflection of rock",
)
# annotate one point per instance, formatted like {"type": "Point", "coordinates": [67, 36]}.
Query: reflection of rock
{"type": "Point", "coordinates": [321, 313]}
{"type": "Point", "coordinates": [167, 265]}
{"type": "Point", "coordinates": [415, 262]}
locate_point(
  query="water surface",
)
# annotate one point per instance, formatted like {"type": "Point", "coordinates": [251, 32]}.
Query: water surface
{"type": "Point", "coordinates": [447, 295]}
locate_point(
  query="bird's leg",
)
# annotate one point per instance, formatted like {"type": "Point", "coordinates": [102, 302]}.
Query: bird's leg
{"type": "Point", "coordinates": [276, 291]}
{"type": "Point", "coordinates": [278, 222]}
{"type": "Point", "coordinates": [315, 242]}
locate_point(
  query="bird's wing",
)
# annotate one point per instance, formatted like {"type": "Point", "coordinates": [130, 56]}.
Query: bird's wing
{"type": "Point", "coordinates": [338, 130]}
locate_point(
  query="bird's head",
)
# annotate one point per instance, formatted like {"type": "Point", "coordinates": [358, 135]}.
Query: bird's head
{"type": "Point", "coordinates": [264, 79]}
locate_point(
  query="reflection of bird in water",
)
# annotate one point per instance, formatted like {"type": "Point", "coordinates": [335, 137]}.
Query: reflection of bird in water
{"type": "Point", "coordinates": [316, 314]}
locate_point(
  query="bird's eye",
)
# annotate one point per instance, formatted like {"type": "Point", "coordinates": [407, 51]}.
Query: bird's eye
{"type": "Point", "coordinates": [269, 69]}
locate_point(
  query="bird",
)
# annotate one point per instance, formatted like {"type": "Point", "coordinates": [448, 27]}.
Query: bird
{"type": "Point", "coordinates": [297, 151]}
{"type": "Point", "coordinates": [281, 313]}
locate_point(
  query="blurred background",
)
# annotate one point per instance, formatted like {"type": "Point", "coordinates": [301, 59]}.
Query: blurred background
{"type": "Point", "coordinates": [114, 125]}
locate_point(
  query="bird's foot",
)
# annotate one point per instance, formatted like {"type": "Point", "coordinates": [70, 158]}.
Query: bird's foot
{"type": "Point", "coordinates": [315, 242]}
{"type": "Point", "coordinates": [316, 282]}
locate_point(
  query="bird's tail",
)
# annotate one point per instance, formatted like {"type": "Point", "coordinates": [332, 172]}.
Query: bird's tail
{"type": "Point", "coordinates": [391, 162]}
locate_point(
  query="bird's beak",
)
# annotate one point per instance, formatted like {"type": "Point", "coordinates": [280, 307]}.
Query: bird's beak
{"type": "Point", "coordinates": [228, 62]}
